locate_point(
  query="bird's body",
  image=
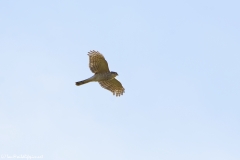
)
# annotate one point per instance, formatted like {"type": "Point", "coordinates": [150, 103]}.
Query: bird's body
{"type": "Point", "coordinates": [106, 79]}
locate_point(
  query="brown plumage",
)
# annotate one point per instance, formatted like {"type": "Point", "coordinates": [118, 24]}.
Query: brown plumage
{"type": "Point", "coordinates": [106, 79]}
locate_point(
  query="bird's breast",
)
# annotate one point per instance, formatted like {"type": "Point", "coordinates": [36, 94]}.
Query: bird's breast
{"type": "Point", "coordinates": [103, 76]}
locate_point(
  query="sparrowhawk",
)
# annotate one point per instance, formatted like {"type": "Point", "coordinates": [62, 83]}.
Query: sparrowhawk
{"type": "Point", "coordinates": [103, 76]}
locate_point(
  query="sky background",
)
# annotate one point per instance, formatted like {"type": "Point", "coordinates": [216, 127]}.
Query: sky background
{"type": "Point", "coordinates": [177, 60]}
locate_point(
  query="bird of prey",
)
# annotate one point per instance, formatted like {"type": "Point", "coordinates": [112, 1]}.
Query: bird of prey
{"type": "Point", "coordinates": [99, 66]}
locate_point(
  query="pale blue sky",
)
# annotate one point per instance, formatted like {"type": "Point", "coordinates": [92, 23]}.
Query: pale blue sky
{"type": "Point", "coordinates": [178, 61]}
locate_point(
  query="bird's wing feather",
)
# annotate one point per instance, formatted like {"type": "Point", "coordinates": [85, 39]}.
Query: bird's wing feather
{"type": "Point", "coordinates": [97, 62]}
{"type": "Point", "coordinates": [114, 86]}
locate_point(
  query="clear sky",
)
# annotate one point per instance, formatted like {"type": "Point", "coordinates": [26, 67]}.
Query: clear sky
{"type": "Point", "coordinates": [177, 60]}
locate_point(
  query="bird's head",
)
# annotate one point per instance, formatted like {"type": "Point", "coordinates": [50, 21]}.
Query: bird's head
{"type": "Point", "coordinates": [114, 74]}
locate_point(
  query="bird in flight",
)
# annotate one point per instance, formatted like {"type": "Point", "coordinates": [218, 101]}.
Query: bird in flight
{"type": "Point", "coordinates": [99, 66]}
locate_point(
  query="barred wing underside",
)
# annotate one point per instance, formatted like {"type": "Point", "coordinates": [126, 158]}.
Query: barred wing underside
{"type": "Point", "coordinates": [114, 86]}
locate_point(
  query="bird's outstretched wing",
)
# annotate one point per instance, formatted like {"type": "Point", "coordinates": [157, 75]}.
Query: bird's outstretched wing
{"type": "Point", "coordinates": [114, 86]}
{"type": "Point", "coordinates": [97, 62]}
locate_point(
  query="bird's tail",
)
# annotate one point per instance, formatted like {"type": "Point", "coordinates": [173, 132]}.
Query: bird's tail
{"type": "Point", "coordinates": [83, 82]}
